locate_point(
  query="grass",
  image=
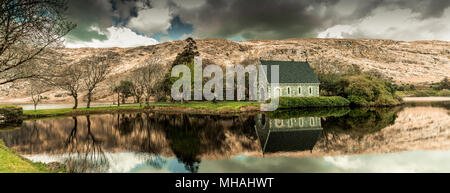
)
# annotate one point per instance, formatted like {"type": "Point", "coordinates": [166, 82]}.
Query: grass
{"type": "Point", "coordinates": [219, 106]}
{"type": "Point", "coordinates": [10, 162]}
{"type": "Point", "coordinates": [8, 106]}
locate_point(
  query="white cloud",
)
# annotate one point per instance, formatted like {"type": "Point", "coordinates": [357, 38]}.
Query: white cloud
{"type": "Point", "coordinates": [337, 31]}
{"type": "Point", "coordinates": [151, 21]}
{"type": "Point", "coordinates": [116, 37]}
{"type": "Point", "coordinates": [399, 24]}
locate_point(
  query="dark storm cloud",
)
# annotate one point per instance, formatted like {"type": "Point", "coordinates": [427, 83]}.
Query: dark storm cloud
{"type": "Point", "coordinates": [231, 19]}
{"type": "Point", "coordinates": [426, 8]}
{"type": "Point", "coordinates": [269, 19]}
{"type": "Point", "coordinates": [252, 19]}
{"type": "Point", "coordinates": [101, 14]}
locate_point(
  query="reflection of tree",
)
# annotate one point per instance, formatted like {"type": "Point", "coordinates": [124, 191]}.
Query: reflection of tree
{"type": "Point", "coordinates": [357, 123]}
{"type": "Point", "coordinates": [185, 142]}
{"type": "Point", "coordinates": [125, 125]}
{"type": "Point", "coordinates": [85, 154]}
{"type": "Point", "coordinates": [191, 136]}
{"type": "Point", "coordinates": [156, 162]}
{"type": "Point", "coordinates": [362, 120]}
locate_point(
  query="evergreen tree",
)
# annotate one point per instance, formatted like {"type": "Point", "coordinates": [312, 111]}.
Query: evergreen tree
{"type": "Point", "coordinates": [186, 57]}
{"type": "Point", "coordinates": [188, 54]}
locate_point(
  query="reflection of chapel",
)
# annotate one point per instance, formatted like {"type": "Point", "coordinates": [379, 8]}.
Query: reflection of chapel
{"type": "Point", "coordinates": [284, 135]}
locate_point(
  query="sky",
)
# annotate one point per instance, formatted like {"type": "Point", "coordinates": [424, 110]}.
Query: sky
{"type": "Point", "coordinates": [130, 23]}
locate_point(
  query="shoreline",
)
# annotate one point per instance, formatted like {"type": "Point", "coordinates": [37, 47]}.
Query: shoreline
{"type": "Point", "coordinates": [200, 108]}
{"type": "Point", "coordinates": [12, 162]}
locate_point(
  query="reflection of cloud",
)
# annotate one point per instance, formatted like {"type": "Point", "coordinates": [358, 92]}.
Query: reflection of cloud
{"type": "Point", "coordinates": [413, 161]}
{"type": "Point", "coordinates": [118, 162]}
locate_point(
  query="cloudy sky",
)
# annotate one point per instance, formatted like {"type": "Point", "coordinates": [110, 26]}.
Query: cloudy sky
{"type": "Point", "coordinates": [128, 23]}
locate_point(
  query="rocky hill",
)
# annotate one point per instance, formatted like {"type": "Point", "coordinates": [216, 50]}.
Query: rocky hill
{"type": "Point", "coordinates": [420, 62]}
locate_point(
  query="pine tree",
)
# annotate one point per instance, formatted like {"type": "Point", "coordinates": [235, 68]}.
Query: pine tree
{"type": "Point", "coordinates": [186, 57]}
{"type": "Point", "coordinates": [188, 54]}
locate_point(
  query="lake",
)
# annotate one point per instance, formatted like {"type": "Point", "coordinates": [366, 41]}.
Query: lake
{"type": "Point", "coordinates": [414, 137]}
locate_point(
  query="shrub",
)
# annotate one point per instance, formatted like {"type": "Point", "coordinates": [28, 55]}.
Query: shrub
{"type": "Point", "coordinates": [299, 102]}
{"type": "Point", "coordinates": [363, 90]}
{"type": "Point", "coordinates": [10, 114]}
{"type": "Point", "coordinates": [444, 92]}
{"type": "Point", "coordinates": [444, 84]}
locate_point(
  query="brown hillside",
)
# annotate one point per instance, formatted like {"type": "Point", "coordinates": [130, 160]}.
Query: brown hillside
{"type": "Point", "coordinates": [417, 62]}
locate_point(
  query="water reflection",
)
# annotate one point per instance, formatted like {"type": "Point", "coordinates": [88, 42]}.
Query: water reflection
{"type": "Point", "coordinates": [283, 141]}
{"type": "Point", "coordinates": [81, 142]}
{"type": "Point", "coordinates": [291, 134]}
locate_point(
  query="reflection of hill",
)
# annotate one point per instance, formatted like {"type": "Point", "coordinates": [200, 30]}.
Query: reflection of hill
{"type": "Point", "coordinates": [167, 135]}
{"type": "Point", "coordinates": [414, 128]}
{"type": "Point", "coordinates": [362, 120]}
{"type": "Point", "coordinates": [195, 138]}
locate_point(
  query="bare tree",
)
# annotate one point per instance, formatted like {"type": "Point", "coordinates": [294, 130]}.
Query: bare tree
{"type": "Point", "coordinates": [36, 89]}
{"type": "Point", "coordinates": [96, 68]}
{"type": "Point", "coordinates": [70, 80]}
{"type": "Point", "coordinates": [137, 78]}
{"type": "Point", "coordinates": [111, 84]}
{"type": "Point", "coordinates": [153, 74]}
{"type": "Point", "coordinates": [27, 29]}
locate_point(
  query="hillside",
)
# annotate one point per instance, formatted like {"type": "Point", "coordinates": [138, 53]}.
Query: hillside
{"type": "Point", "coordinates": [420, 62]}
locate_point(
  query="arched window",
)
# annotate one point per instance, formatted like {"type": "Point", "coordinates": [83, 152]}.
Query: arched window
{"type": "Point", "coordinates": [312, 121]}
{"type": "Point", "coordinates": [300, 122]}
{"type": "Point", "coordinates": [310, 90]}
{"type": "Point", "coordinates": [279, 122]}
{"type": "Point", "coordinates": [289, 90]}
{"type": "Point", "coordinates": [263, 120]}
{"type": "Point", "coordinates": [290, 123]}
{"type": "Point", "coordinates": [299, 90]}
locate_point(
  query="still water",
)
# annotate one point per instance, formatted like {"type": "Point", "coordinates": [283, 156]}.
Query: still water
{"type": "Point", "coordinates": [411, 138]}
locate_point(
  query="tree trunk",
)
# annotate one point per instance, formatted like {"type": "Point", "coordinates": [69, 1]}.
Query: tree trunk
{"type": "Point", "coordinates": [89, 95]}
{"type": "Point", "coordinates": [35, 105]}
{"type": "Point", "coordinates": [118, 99]}
{"type": "Point", "coordinates": [75, 98]}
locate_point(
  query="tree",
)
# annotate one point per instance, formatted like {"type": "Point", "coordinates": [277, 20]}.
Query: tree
{"type": "Point", "coordinates": [111, 84]}
{"type": "Point", "coordinates": [188, 54]}
{"type": "Point", "coordinates": [36, 89]}
{"type": "Point", "coordinates": [69, 79]}
{"type": "Point", "coordinates": [124, 89]}
{"type": "Point", "coordinates": [444, 84]}
{"type": "Point", "coordinates": [186, 57]}
{"type": "Point", "coordinates": [152, 78]}
{"type": "Point", "coordinates": [96, 68]}
{"type": "Point", "coordinates": [27, 29]}
{"type": "Point", "coordinates": [137, 78]}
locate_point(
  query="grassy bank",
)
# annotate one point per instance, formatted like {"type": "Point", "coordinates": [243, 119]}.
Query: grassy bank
{"type": "Point", "coordinates": [188, 107]}
{"type": "Point", "coordinates": [10, 162]}
{"type": "Point", "coordinates": [308, 102]}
